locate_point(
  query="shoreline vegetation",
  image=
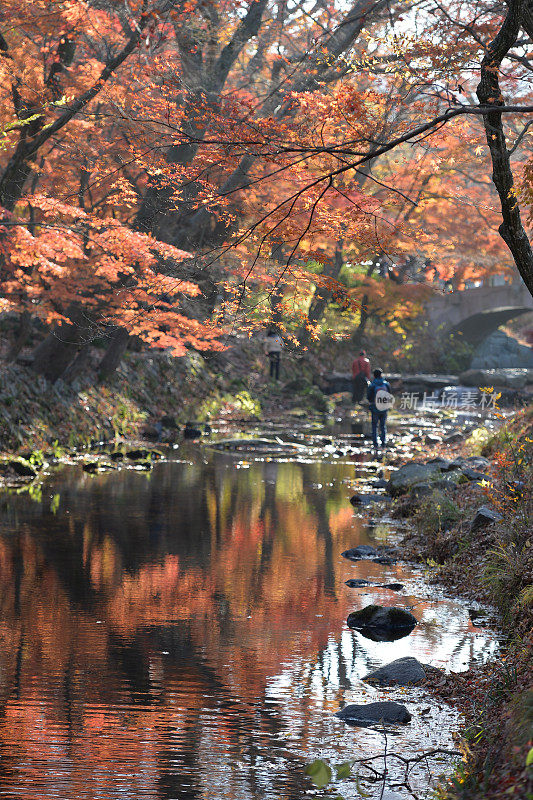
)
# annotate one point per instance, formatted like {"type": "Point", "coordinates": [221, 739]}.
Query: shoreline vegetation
{"type": "Point", "coordinates": [35, 414]}
{"type": "Point", "coordinates": [491, 562]}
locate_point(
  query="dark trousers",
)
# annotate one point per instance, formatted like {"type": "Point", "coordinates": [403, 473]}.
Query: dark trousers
{"type": "Point", "coordinates": [379, 418]}
{"type": "Point", "coordinates": [359, 385]}
{"type": "Point", "coordinates": [274, 365]}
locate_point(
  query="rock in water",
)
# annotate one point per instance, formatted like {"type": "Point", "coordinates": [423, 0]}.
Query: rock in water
{"type": "Point", "coordinates": [22, 468]}
{"type": "Point", "coordinates": [406, 671]}
{"type": "Point", "coordinates": [142, 453]}
{"type": "Point", "coordinates": [264, 446]}
{"type": "Point", "coordinates": [95, 467]}
{"type": "Point", "coordinates": [365, 499]}
{"type": "Point", "coordinates": [359, 552]}
{"type": "Point", "coordinates": [384, 634]}
{"type": "Point", "coordinates": [152, 432]}
{"type": "Point", "coordinates": [381, 617]}
{"type": "Point", "coordinates": [369, 714]}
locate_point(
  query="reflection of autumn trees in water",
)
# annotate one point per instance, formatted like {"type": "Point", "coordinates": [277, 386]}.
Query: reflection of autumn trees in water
{"type": "Point", "coordinates": [141, 630]}
{"type": "Point", "coordinates": [125, 623]}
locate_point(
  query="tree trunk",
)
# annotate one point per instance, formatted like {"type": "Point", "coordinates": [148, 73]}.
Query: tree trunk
{"type": "Point", "coordinates": [113, 355]}
{"type": "Point", "coordinates": [357, 337]}
{"type": "Point", "coordinates": [190, 228]}
{"type": "Point", "coordinates": [57, 351]}
{"type": "Point", "coordinates": [359, 332]}
{"type": "Point", "coordinates": [21, 337]}
{"type": "Point", "coordinates": [489, 93]}
{"type": "Point", "coordinates": [79, 365]}
{"type": "Point", "coordinates": [321, 296]}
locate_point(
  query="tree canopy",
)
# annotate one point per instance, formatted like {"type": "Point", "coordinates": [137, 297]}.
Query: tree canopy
{"type": "Point", "coordinates": [168, 168]}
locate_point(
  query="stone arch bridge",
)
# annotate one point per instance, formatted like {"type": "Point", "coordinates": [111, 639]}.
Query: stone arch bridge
{"type": "Point", "coordinates": [477, 312]}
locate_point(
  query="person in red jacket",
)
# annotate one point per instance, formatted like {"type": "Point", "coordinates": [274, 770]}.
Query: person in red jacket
{"type": "Point", "coordinates": [360, 376]}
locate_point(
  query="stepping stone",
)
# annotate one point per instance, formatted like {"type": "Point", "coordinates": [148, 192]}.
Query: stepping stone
{"type": "Point", "coordinates": [386, 712]}
{"type": "Point", "coordinates": [406, 671]}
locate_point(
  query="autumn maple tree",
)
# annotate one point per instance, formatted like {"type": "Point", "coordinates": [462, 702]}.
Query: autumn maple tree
{"type": "Point", "coordinates": [165, 166]}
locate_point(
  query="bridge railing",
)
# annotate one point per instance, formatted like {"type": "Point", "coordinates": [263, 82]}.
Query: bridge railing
{"type": "Point", "coordinates": [492, 282]}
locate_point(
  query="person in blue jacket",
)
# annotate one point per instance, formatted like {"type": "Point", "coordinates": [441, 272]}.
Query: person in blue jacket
{"type": "Point", "coordinates": [380, 397]}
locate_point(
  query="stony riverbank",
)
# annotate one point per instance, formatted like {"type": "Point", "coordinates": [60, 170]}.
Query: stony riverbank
{"type": "Point", "coordinates": [487, 556]}
{"type": "Point", "coordinates": [149, 397]}
{"type": "Point", "coordinates": [441, 495]}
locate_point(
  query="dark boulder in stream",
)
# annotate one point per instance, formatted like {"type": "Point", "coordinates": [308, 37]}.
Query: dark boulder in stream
{"type": "Point", "coordinates": [406, 671]}
{"type": "Point", "coordinates": [387, 712]}
{"type": "Point", "coordinates": [382, 623]}
{"type": "Point", "coordinates": [143, 453]}
{"type": "Point", "coordinates": [95, 467]}
{"type": "Point", "coordinates": [359, 552]}
{"type": "Point", "coordinates": [365, 499]}
{"type": "Point", "coordinates": [359, 583]}
{"type": "Point", "coordinates": [381, 555]}
{"type": "Point", "coordinates": [22, 468]}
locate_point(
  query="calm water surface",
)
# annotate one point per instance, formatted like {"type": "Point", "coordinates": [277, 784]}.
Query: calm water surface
{"type": "Point", "coordinates": [181, 634]}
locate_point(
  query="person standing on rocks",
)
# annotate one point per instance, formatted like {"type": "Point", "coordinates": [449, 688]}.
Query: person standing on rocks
{"type": "Point", "coordinates": [360, 376]}
{"type": "Point", "coordinates": [273, 349]}
{"type": "Point", "coordinates": [380, 397]}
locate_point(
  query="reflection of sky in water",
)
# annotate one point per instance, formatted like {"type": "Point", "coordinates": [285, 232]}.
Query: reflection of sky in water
{"type": "Point", "coordinates": [182, 635]}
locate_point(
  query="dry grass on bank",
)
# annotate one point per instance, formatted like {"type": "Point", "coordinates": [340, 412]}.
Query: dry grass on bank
{"type": "Point", "coordinates": [494, 564]}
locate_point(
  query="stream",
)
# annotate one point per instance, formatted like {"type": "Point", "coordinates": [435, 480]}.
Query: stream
{"type": "Point", "coordinates": [181, 634]}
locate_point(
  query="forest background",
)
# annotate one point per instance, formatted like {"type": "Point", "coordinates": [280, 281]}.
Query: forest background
{"type": "Point", "coordinates": [176, 176]}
